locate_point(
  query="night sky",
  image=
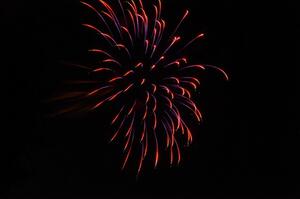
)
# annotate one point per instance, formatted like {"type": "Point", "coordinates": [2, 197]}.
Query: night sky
{"type": "Point", "coordinates": [247, 145]}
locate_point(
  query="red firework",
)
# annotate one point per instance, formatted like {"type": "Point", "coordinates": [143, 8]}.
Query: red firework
{"type": "Point", "coordinates": [142, 68]}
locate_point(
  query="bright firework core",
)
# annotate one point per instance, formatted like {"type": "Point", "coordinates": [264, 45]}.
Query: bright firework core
{"type": "Point", "coordinates": [144, 68]}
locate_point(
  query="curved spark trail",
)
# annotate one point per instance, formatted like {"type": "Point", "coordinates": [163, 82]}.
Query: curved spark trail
{"type": "Point", "coordinates": [144, 70]}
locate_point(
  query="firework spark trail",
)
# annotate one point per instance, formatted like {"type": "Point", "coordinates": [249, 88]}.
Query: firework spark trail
{"type": "Point", "coordinates": [141, 71]}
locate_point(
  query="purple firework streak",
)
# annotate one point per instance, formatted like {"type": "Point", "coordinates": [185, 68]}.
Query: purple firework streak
{"type": "Point", "coordinates": [143, 69]}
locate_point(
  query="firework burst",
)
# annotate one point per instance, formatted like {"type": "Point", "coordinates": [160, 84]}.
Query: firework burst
{"type": "Point", "coordinates": [143, 69]}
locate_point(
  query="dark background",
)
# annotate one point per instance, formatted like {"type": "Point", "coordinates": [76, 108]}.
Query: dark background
{"type": "Point", "coordinates": [247, 146]}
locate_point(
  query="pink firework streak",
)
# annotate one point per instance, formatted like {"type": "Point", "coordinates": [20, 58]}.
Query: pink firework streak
{"type": "Point", "coordinates": [143, 70]}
